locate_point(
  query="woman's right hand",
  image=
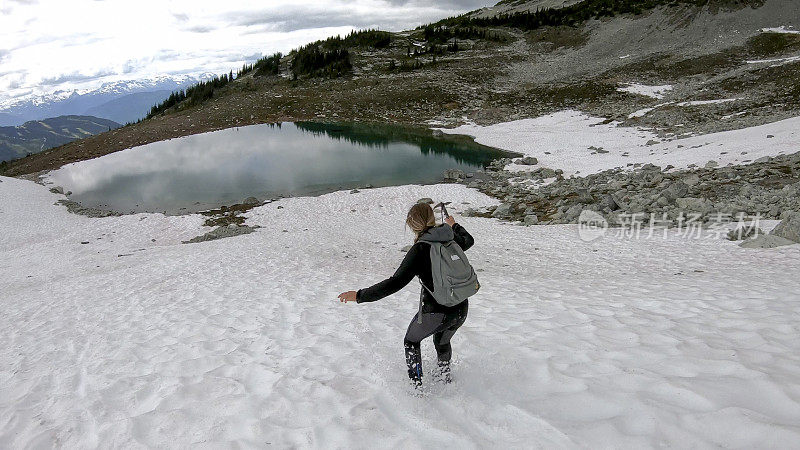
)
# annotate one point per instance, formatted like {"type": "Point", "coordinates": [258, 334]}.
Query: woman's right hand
{"type": "Point", "coordinates": [450, 221]}
{"type": "Point", "coordinates": [349, 296]}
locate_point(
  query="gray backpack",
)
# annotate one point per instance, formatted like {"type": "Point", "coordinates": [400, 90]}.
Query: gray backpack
{"type": "Point", "coordinates": [454, 279]}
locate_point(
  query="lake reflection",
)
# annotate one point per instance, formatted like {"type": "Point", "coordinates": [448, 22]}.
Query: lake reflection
{"type": "Point", "coordinates": [223, 167]}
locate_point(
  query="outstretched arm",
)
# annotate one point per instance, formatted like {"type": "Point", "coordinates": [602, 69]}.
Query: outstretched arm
{"type": "Point", "coordinates": [402, 276]}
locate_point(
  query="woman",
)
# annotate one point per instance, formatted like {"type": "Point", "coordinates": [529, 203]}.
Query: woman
{"type": "Point", "coordinates": [437, 320]}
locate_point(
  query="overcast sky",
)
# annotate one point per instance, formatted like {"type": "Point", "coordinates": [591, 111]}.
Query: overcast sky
{"type": "Point", "coordinates": [49, 45]}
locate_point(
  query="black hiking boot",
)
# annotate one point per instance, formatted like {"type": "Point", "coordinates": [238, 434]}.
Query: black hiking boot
{"type": "Point", "coordinates": [414, 362]}
{"type": "Point", "coordinates": [442, 373]}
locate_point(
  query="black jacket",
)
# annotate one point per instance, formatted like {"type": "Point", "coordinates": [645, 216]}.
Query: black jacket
{"type": "Point", "coordinates": [416, 263]}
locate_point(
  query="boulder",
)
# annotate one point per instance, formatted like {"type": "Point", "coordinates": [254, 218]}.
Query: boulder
{"type": "Point", "coordinates": [675, 190]}
{"type": "Point", "coordinates": [607, 201]}
{"type": "Point", "coordinates": [425, 200]}
{"type": "Point", "coordinates": [763, 159]}
{"type": "Point", "coordinates": [691, 179]}
{"type": "Point", "coordinates": [57, 190]}
{"type": "Point", "coordinates": [744, 232]}
{"type": "Point", "coordinates": [584, 196]}
{"type": "Point", "coordinates": [651, 167]}
{"type": "Point", "coordinates": [547, 172]}
{"type": "Point", "coordinates": [221, 233]}
{"type": "Point", "coordinates": [250, 201]}
{"type": "Point", "coordinates": [527, 161]}
{"type": "Point", "coordinates": [454, 175]}
{"type": "Point", "coordinates": [766, 241]}
{"type": "Point", "coordinates": [573, 212]}
{"type": "Point", "coordinates": [693, 204]}
{"type": "Point", "coordinates": [530, 219]}
{"type": "Point", "coordinates": [502, 211]}
{"type": "Point", "coordinates": [789, 228]}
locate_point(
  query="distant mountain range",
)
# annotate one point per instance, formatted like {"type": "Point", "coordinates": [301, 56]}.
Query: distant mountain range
{"type": "Point", "coordinates": [122, 101]}
{"type": "Point", "coordinates": [36, 136]}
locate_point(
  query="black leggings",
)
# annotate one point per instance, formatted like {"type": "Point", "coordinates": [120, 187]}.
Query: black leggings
{"type": "Point", "coordinates": [442, 326]}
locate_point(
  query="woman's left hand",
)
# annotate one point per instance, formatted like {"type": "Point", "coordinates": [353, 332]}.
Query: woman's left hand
{"type": "Point", "coordinates": [450, 221]}
{"type": "Point", "coordinates": [349, 296]}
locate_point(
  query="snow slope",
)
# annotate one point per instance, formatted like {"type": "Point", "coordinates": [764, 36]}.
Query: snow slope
{"type": "Point", "coordinates": [648, 91]}
{"type": "Point", "coordinates": [134, 340]}
{"type": "Point", "coordinates": [562, 140]}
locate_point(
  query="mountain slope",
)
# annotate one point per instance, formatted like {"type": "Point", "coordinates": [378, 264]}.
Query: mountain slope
{"type": "Point", "coordinates": [129, 108]}
{"type": "Point", "coordinates": [96, 102]}
{"type": "Point", "coordinates": [35, 136]}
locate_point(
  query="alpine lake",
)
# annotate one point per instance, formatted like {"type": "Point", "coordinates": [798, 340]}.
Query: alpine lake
{"type": "Point", "coordinates": [204, 171]}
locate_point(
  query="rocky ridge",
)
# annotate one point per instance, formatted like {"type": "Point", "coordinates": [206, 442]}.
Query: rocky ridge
{"type": "Point", "coordinates": [768, 188]}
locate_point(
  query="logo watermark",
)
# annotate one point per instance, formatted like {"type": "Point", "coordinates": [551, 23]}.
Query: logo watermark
{"type": "Point", "coordinates": [592, 225]}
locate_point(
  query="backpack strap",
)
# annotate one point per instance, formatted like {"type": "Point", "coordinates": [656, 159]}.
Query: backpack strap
{"type": "Point", "coordinates": [419, 314]}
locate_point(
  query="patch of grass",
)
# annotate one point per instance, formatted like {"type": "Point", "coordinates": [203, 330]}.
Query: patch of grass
{"type": "Point", "coordinates": [574, 94]}
{"type": "Point", "coordinates": [771, 44]}
{"type": "Point", "coordinates": [568, 37]}
{"type": "Point", "coordinates": [780, 81]}
{"type": "Point", "coordinates": [700, 65]}
{"type": "Point", "coordinates": [406, 65]}
{"type": "Point", "coordinates": [764, 45]}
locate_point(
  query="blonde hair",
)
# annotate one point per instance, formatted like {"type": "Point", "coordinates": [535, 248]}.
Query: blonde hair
{"type": "Point", "coordinates": [420, 219]}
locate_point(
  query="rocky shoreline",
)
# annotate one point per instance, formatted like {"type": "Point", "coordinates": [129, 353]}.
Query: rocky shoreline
{"type": "Point", "coordinates": [768, 188]}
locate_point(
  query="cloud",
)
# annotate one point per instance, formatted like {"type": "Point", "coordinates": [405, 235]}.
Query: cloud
{"type": "Point", "coordinates": [8, 6]}
{"type": "Point", "coordinates": [51, 45]}
{"type": "Point", "coordinates": [200, 28]}
{"type": "Point", "coordinates": [443, 4]}
{"type": "Point", "coordinates": [289, 18]}
{"type": "Point", "coordinates": [74, 78]}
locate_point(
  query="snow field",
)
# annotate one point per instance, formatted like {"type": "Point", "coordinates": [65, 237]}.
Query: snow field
{"type": "Point", "coordinates": [618, 343]}
{"type": "Point", "coordinates": [781, 29]}
{"type": "Point", "coordinates": [562, 140]}
{"type": "Point", "coordinates": [648, 91]}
